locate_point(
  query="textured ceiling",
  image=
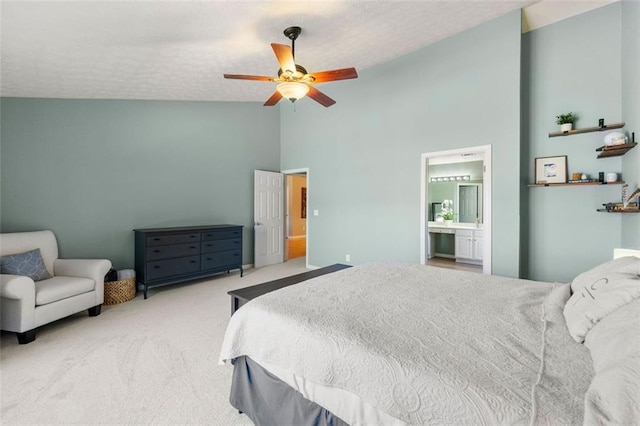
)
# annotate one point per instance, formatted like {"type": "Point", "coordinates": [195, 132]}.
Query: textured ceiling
{"type": "Point", "coordinates": [178, 50]}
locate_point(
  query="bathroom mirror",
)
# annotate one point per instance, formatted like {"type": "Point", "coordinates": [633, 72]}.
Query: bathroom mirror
{"type": "Point", "coordinates": [468, 203]}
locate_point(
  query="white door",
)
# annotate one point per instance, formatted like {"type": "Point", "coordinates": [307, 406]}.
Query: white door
{"type": "Point", "coordinates": [268, 218]}
{"type": "Point", "coordinates": [468, 207]}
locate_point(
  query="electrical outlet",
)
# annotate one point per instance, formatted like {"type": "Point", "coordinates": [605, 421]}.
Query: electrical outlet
{"type": "Point", "coordinates": [347, 258]}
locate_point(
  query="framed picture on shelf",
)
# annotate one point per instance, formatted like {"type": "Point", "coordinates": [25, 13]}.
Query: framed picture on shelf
{"type": "Point", "coordinates": [551, 169]}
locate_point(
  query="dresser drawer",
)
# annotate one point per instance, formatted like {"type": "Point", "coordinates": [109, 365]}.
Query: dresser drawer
{"type": "Point", "coordinates": [220, 245]}
{"type": "Point", "coordinates": [221, 258]}
{"type": "Point", "coordinates": [172, 250]}
{"type": "Point", "coordinates": [167, 268]}
{"type": "Point", "coordinates": [159, 240]}
{"type": "Point", "coordinates": [221, 235]}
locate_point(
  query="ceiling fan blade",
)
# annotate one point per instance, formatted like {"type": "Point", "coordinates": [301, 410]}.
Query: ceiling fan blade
{"type": "Point", "coordinates": [248, 77]}
{"type": "Point", "coordinates": [320, 97]}
{"type": "Point", "coordinates": [285, 57]}
{"type": "Point", "coordinates": [333, 75]}
{"type": "Point", "coordinates": [274, 99]}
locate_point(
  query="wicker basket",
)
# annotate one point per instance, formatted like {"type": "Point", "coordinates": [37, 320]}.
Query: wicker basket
{"type": "Point", "coordinates": [119, 291]}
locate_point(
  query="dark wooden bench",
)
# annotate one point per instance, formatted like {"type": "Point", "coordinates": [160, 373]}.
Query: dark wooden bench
{"type": "Point", "coordinates": [243, 295]}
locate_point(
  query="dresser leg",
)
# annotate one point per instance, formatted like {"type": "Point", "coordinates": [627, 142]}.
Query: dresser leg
{"type": "Point", "coordinates": [145, 291]}
{"type": "Point", "coordinates": [241, 271]}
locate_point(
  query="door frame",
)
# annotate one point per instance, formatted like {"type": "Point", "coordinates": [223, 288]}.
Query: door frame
{"type": "Point", "coordinates": [304, 170]}
{"type": "Point", "coordinates": [486, 151]}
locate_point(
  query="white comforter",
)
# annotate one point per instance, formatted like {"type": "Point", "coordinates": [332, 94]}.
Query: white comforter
{"type": "Point", "coordinates": [424, 345]}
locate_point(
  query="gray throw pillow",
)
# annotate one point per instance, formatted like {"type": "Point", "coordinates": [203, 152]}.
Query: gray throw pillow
{"type": "Point", "coordinates": [29, 264]}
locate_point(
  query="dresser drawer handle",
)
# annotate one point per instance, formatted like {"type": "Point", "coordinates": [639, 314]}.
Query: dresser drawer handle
{"type": "Point", "coordinates": [193, 261]}
{"type": "Point", "coordinates": [156, 267]}
{"type": "Point", "coordinates": [192, 236]}
{"type": "Point", "coordinates": [156, 239]}
{"type": "Point", "coordinates": [236, 255]}
{"type": "Point", "coordinates": [156, 251]}
{"type": "Point", "coordinates": [192, 247]}
{"type": "Point", "coordinates": [208, 258]}
{"type": "Point", "coordinates": [236, 242]}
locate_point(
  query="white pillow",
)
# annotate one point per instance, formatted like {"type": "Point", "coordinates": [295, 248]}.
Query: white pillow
{"type": "Point", "coordinates": [600, 291]}
{"type": "Point", "coordinates": [614, 394]}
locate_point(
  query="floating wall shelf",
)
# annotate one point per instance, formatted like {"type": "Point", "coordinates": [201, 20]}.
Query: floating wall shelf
{"type": "Point", "coordinates": [615, 150]}
{"type": "Point", "coordinates": [619, 211]}
{"type": "Point", "coordinates": [574, 184]}
{"type": "Point", "coordinates": [587, 130]}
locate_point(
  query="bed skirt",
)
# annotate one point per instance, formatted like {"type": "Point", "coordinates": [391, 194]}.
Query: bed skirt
{"type": "Point", "coordinates": [267, 400]}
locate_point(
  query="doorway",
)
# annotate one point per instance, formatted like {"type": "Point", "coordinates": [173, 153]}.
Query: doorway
{"type": "Point", "coordinates": [466, 242]}
{"type": "Point", "coordinates": [296, 216]}
{"type": "Point", "coordinates": [296, 237]}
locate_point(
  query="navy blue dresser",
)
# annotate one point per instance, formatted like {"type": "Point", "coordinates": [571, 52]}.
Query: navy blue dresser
{"type": "Point", "coordinates": [172, 255]}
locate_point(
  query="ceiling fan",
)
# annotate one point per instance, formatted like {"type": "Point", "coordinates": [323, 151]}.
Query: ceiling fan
{"type": "Point", "coordinates": [294, 80]}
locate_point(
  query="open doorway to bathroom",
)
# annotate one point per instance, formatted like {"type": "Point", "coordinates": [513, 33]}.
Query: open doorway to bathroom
{"type": "Point", "coordinates": [296, 215]}
{"type": "Point", "coordinates": [455, 229]}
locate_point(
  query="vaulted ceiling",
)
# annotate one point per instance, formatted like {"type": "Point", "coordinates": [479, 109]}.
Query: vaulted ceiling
{"type": "Point", "coordinates": [179, 50]}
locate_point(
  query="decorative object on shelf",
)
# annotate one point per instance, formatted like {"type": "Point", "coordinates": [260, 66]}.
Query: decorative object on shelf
{"type": "Point", "coordinates": [587, 130]}
{"type": "Point", "coordinates": [600, 176]}
{"type": "Point", "coordinates": [551, 169]}
{"type": "Point", "coordinates": [450, 178]}
{"type": "Point", "coordinates": [628, 198]}
{"type": "Point", "coordinates": [447, 211]}
{"type": "Point", "coordinates": [612, 177]}
{"type": "Point", "coordinates": [580, 178]}
{"type": "Point", "coordinates": [615, 138]}
{"type": "Point", "coordinates": [585, 180]}
{"type": "Point", "coordinates": [565, 121]}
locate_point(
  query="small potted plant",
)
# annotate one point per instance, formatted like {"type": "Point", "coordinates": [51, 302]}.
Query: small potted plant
{"type": "Point", "coordinates": [565, 121]}
{"type": "Point", "coordinates": [447, 211]}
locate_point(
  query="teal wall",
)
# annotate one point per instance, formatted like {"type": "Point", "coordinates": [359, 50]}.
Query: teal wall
{"type": "Point", "coordinates": [364, 153]}
{"type": "Point", "coordinates": [92, 171]}
{"type": "Point", "coordinates": [573, 65]}
{"type": "Point", "coordinates": [631, 112]}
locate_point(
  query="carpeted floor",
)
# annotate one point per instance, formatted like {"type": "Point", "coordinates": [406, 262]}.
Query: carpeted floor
{"type": "Point", "coordinates": [148, 361]}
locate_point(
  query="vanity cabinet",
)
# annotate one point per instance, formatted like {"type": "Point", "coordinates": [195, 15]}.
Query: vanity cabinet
{"type": "Point", "coordinates": [172, 255]}
{"type": "Point", "coordinates": [469, 245]}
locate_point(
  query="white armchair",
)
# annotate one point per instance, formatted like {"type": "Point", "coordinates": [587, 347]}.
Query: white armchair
{"type": "Point", "coordinates": [75, 285]}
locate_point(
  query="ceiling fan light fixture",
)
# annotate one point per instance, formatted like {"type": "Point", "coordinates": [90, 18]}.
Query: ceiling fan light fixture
{"type": "Point", "coordinates": [292, 90]}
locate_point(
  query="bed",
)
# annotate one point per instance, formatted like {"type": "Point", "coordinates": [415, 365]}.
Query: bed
{"type": "Point", "coordinates": [400, 343]}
